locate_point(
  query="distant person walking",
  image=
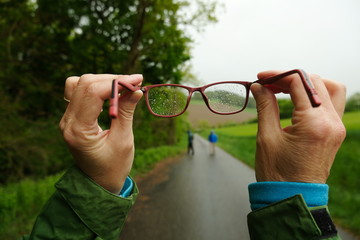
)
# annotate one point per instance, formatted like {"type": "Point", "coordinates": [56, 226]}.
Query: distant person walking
{"type": "Point", "coordinates": [213, 140]}
{"type": "Point", "coordinates": [190, 142]}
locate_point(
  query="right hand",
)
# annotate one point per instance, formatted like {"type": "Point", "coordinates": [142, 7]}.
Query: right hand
{"type": "Point", "coordinates": [305, 150]}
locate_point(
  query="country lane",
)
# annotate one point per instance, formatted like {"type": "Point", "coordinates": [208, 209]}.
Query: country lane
{"type": "Point", "coordinates": [194, 197]}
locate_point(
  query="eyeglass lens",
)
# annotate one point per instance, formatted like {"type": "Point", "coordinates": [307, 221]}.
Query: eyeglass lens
{"type": "Point", "coordinates": [167, 100]}
{"type": "Point", "coordinates": [222, 98]}
{"type": "Point", "coordinates": [226, 97]}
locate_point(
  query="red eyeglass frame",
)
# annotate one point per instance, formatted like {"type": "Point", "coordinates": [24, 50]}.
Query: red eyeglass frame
{"type": "Point", "coordinates": [113, 109]}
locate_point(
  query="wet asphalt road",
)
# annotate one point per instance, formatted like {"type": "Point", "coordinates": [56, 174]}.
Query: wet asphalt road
{"type": "Point", "coordinates": [193, 198]}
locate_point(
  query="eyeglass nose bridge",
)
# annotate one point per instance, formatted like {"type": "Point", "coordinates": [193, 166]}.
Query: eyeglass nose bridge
{"type": "Point", "coordinates": [206, 100]}
{"type": "Point", "coordinates": [201, 91]}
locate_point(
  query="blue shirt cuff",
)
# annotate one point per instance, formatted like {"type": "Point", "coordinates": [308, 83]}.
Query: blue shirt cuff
{"type": "Point", "coordinates": [127, 188]}
{"type": "Point", "coordinates": [262, 194]}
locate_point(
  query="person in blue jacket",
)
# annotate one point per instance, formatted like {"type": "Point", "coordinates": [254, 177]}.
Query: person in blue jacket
{"type": "Point", "coordinates": [212, 140]}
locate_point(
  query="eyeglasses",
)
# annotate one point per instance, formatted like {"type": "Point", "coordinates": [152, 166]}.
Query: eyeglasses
{"type": "Point", "coordinates": [230, 97]}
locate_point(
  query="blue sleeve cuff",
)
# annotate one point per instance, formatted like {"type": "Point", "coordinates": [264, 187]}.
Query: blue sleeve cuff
{"type": "Point", "coordinates": [262, 194]}
{"type": "Point", "coordinates": [127, 188]}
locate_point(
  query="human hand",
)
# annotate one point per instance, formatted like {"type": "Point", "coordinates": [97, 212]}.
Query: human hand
{"type": "Point", "coordinates": [106, 156]}
{"type": "Point", "coordinates": [305, 150]}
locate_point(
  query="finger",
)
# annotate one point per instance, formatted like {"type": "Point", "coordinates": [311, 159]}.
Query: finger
{"type": "Point", "coordinates": [337, 94]}
{"type": "Point", "coordinates": [290, 84]}
{"type": "Point", "coordinates": [279, 86]}
{"type": "Point", "coordinates": [268, 110]}
{"type": "Point", "coordinates": [70, 85]}
{"type": "Point", "coordinates": [122, 125]}
{"type": "Point", "coordinates": [332, 95]}
{"type": "Point", "coordinates": [92, 91]}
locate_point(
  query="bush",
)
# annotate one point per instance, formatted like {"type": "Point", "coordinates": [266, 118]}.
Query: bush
{"type": "Point", "coordinates": [286, 108]}
{"type": "Point", "coordinates": [353, 103]}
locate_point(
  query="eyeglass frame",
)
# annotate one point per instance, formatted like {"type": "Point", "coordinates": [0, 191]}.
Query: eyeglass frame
{"type": "Point", "coordinates": [113, 108]}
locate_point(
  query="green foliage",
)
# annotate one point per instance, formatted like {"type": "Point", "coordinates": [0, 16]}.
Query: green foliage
{"type": "Point", "coordinates": [241, 130]}
{"type": "Point", "coordinates": [47, 41]}
{"type": "Point", "coordinates": [353, 103]}
{"type": "Point", "coordinates": [145, 159]}
{"type": "Point", "coordinates": [167, 100]}
{"type": "Point", "coordinates": [20, 203]}
{"type": "Point", "coordinates": [44, 42]}
{"type": "Point", "coordinates": [344, 181]}
{"type": "Point", "coordinates": [30, 148]}
{"type": "Point", "coordinates": [151, 131]}
{"type": "Point", "coordinates": [351, 121]}
{"type": "Point", "coordinates": [286, 108]}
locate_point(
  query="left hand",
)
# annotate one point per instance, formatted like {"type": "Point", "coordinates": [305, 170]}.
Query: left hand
{"type": "Point", "coordinates": [106, 156]}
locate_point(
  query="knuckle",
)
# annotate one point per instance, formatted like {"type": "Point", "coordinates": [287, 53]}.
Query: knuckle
{"type": "Point", "coordinates": [62, 124]}
{"type": "Point", "coordinates": [68, 135]}
{"type": "Point", "coordinates": [87, 76]}
{"type": "Point", "coordinates": [91, 89]}
{"type": "Point", "coordinates": [340, 134]}
{"type": "Point", "coordinates": [128, 146]}
{"type": "Point", "coordinates": [341, 88]}
{"type": "Point", "coordinates": [71, 82]}
{"type": "Point", "coordinates": [73, 136]}
{"type": "Point", "coordinates": [70, 85]}
{"type": "Point", "coordinates": [71, 79]}
{"type": "Point", "coordinates": [71, 133]}
{"type": "Point", "coordinates": [330, 131]}
{"type": "Point", "coordinates": [126, 114]}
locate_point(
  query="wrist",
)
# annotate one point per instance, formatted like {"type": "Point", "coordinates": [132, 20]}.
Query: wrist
{"type": "Point", "coordinates": [111, 184]}
{"type": "Point", "coordinates": [262, 194]}
{"type": "Point", "coordinates": [107, 180]}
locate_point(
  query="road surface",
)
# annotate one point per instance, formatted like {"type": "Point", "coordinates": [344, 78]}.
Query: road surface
{"type": "Point", "coordinates": [198, 197]}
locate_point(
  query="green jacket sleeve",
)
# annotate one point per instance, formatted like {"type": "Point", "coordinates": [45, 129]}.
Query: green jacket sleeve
{"type": "Point", "coordinates": [81, 209]}
{"type": "Point", "coordinates": [291, 219]}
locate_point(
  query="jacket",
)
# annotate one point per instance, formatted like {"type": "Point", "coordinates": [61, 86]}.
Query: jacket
{"type": "Point", "coordinates": [291, 219]}
{"type": "Point", "coordinates": [81, 209]}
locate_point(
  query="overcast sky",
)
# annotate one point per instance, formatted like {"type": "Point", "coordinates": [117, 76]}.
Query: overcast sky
{"type": "Point", "coordinates": [319, 36]}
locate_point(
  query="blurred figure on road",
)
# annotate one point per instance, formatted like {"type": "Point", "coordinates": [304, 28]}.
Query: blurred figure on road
{"type": "Point", "coordinates": [190, 142]}
{"type": "Point", "coordinates": [213, 140]}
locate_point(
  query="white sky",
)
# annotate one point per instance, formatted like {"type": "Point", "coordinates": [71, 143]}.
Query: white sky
{"type": "Point", "coordinates": [319, 36]}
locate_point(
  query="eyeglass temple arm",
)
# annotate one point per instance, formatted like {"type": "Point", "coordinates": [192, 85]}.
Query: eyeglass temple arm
{"type": "Point", "coordinates": [309, 88]}
{"type": "Point", "coordinates": [114, 98]}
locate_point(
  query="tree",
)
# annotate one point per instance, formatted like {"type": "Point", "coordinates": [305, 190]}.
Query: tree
{"type": "Point", "coordinates": [45, 41]}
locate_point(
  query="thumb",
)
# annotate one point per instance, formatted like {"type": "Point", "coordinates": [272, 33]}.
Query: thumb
{"type": "Point", "coordinates": [127, 104]}
{"type": "Point", "coordinates": [267, 108]}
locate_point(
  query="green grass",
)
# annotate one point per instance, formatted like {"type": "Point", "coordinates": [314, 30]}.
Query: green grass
{"type": "Point", "coordinates": [20, 203]}
{"type": "Point", "coordinates": [352, 121]}
{"type": "Point", "coordinates": [245, 130]}
{"type": "Point", "coordinates": [344, 197]}
{"type": "Point", "coordinates": [344, 182]}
